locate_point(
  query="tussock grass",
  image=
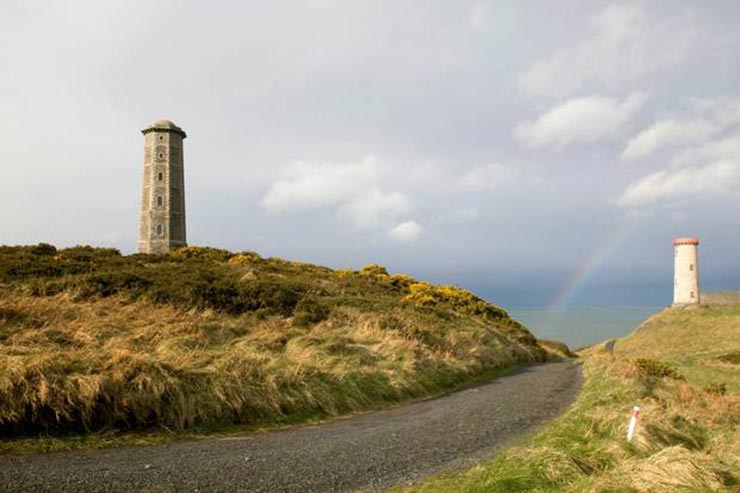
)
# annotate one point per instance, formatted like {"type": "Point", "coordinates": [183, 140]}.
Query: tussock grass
{"type": "Point", "coordinates": [687, 438]}
{"type": "Point", "coordinates": [91, 341]}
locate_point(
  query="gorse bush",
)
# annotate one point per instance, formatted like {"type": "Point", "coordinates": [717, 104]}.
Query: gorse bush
{"type": "Point", "coordinates": [204, 253]}
{"type": "Point", "coordinates": [245, 258]}
{"type": "Point", "coordinates": [189, 277]}
{"type": "Point", "coordinates": [429, 295]}
{"type": "Point", "coordinates": [402, 280]}
{"type": "Point", "coordinates": [374, 270]}
{"type": "Point", "coordinates": [202, 277]}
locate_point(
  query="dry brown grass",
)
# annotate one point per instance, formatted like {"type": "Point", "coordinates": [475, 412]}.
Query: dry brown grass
{"type": "Point", "coordinates": [672, 469]}
{"type": "Point", "coordinates": [76, 365]}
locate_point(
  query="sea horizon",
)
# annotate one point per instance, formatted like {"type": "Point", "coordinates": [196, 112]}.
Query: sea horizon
{"type": "Point", "coordinates": [582, 325]}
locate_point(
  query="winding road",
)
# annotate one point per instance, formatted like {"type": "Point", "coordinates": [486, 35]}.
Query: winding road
{"type": "Point", "coordinates": [369, 452]}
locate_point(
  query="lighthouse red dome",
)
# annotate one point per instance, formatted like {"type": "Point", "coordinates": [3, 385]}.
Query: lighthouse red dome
{"type": "Point", "coordinates": [686, 241]}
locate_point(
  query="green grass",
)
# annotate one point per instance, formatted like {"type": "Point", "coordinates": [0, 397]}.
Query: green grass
{"type": "Point", "coordinates": [95, 345]}
{"type": "Point", "coordinates": [697, 340]}
{"type": "Point", "coordinates": [687, 438]}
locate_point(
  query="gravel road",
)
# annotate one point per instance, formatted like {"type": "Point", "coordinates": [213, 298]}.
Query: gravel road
{"type": "Point", "coordinates": [369, 452]}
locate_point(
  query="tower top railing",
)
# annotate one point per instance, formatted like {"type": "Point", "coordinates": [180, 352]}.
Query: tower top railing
{"type": "Point", "coordinates": [685, 241]}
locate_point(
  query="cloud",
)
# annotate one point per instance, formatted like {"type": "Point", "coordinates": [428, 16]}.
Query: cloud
{"type": "Point", "coordinates": [585, 119]}
{"type": "Point", "coordinates": [350, 189]}
{"type": "Point", "coordinates": [373, 207]}
{"type": "Point", "coordinates": [406, 232]}
{"type": "Point", "coordinates": [307, 186]}
{"type": "Point", "coordinates": [668, 132]}
{"type": "Point", "coordinates": [719, 177]}
{"type": "Point", "coordinates": [727, 148]}
{"type": "Point", "coordinates": [708, 118]}
{"type": "Point", "coordinates": [486, 178]}
{"type": "Point", "coordinates": [723, 110]}
{"type": "Point", "coordinates": [623, 45]}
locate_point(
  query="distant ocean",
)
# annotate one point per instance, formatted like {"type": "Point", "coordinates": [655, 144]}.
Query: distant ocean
{"type": "Point", "coordinates": [582, 325]}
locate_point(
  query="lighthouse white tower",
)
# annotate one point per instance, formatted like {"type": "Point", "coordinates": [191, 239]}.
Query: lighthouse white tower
{"type": "Point", "coordinates": [686, 271]}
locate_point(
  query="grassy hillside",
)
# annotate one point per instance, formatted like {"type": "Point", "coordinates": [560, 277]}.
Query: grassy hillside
{"type": "Point", "coordinates": [682, 367]}
{"type": "Point", "coordinates": [91, 340]}
{"type": "Point", "coordinates": [703, 343]}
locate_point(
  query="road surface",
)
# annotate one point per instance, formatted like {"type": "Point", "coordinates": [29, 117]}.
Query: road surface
{"type": "Point", "coordinates": [369, 452]}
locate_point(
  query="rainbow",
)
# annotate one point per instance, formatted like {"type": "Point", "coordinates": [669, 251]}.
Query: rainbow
{"type": "Point", "coordinates": [583, 273]}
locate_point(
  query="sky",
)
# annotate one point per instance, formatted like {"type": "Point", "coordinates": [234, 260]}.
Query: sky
{"type": "Point", "coordinates": [539, 153]}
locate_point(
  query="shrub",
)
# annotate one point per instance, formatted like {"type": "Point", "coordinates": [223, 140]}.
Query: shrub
{"type": "Point", "coordinates": [198, 279]}
{"type": "Point", "coordinates": [428, 295]}
{"type": "Point", "coordinates": [44, 249]}
{"type": "Point", "coordinates": [203, 253]}
{"type": "Point", "coordinates": [105, 284]}
{"type": "Point", "coordinates": [310, 311]}
{"type": "Point", "coordinates": [402, 280]}
{"type": "Point", "coordinates": [86, 253]}
{"type": "Point", "coordinates": [374, 270]}
{"type": "Point", "coordinates": [271, 296]}
{"type": "Point", "coordinates": [24, 266]}
{"type": "Point", "coordinates": [657, 369]}
{"type": "Point", "coordinates": [245, 258]}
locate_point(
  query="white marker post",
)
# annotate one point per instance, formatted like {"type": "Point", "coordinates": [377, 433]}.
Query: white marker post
{"type": "Point", "coordinates": [633, 423]}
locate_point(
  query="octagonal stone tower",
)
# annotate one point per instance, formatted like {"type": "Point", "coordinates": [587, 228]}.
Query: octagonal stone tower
{"type": "Point", "coordinates": [686, 271]}
{"type": "Point", "coordinates": [162, 220]}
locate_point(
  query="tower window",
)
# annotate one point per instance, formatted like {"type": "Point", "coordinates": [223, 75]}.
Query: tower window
{"type": "Point", "coordinates": [160, 176]}
{"type": "Point", "coordinates": [692, 295]}
{"type": "Point", "coordinates": [159, 229]}
{"type": "Point", "coordinates": [161, 155]}
{"type": "Point", "coordinates": [691, 266]}
{"type": "Point", "coordinates": [161, 137]}
{"type": "Point", "coordinates": [159, 200]}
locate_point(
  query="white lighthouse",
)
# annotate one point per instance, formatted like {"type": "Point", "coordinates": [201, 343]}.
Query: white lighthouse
{"type": "Point", "coordinates": [686, 271]}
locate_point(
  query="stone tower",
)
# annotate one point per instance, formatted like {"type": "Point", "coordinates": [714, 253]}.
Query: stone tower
{"type": "Point", "coordinates": [162, 221]}
{"type": "Point", "coordinates": [686, 271]}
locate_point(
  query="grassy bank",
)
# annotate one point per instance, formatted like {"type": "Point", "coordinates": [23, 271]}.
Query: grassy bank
{"type": "Point", "coordinates": [703, 343]}
{"type": "Point", "coordinates": [92, 341]}
{"type": "Point", "coordinates": [681, 367]}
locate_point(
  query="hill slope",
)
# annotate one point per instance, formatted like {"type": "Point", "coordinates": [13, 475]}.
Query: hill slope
{"type": "Point", "coordinates": [682, 367]}
{"type": "Point", "coordinates": [92, 340]}
{"type": "Point", "coordinates": [703, 342]}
